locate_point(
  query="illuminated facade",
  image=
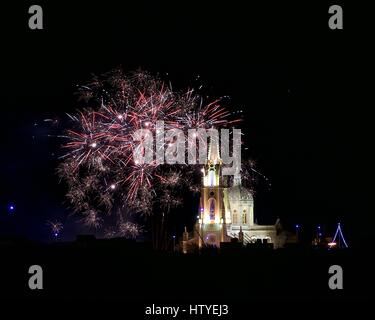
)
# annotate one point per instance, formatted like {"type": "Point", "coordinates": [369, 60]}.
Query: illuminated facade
{"type": "Point", "coordinates": [226, 212]}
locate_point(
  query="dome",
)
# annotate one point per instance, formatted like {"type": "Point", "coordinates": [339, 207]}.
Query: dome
{"type": "Point", "coordinates": [239, 193]}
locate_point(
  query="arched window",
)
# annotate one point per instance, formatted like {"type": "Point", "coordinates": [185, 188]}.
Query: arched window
{"type": "Point", "coordinates": [244, 217]}
{"type": "Point", "coordinates": [211, 176]}
{"type": "Point", "coordinates": [211, 205]}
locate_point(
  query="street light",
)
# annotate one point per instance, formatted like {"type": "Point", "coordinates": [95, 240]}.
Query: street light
{"type": "Point", "coordinates": [297, 231]}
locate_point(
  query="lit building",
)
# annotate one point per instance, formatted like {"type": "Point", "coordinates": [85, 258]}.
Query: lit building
{"type": "Point", "coordinates": [227, 212]}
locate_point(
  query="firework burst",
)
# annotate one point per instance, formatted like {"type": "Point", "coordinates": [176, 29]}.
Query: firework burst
{"type": "Point", "coordinates": [55, 227]}
{"type": "Point", "coordinates": [98, 164]}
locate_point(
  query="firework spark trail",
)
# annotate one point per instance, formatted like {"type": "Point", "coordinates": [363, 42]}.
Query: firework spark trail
{"type": "Point", "coordinates": [92, 218]}
{"type": "Point", "coordinates": [55, 227]}
{"type": "Point", "coordinates": [250, 175]}
{"type": "Point", "coordinates": [101, 143]}
{"type": "Point", "coordinates": [129, 230]}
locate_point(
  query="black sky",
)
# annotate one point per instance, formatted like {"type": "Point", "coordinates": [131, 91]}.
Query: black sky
{"type": "Point", "coordinates": [303, 89]}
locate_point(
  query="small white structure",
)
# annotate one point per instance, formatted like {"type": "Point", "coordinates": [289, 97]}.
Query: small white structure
{"type": "Point", "coordinates": [240, 217]}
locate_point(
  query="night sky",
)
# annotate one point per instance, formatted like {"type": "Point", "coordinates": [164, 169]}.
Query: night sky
{"type": "Point", "coordinates": [301, 86]}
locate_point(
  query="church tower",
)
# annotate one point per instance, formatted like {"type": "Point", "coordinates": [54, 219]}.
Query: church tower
{"type": "Point", "coordinates": [226, 210]}
{"type": "Point", "coordinates": [211, 213]}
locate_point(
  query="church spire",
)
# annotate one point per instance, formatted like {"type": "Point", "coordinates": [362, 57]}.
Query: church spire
{"type": "Point", "coordinates": [212, 170]}
{"type": "Point", "coordinates": [213, 149]}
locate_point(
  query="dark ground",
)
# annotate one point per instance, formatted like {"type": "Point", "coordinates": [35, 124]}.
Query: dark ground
{"type": "Point", "coordinates": [128, 275]}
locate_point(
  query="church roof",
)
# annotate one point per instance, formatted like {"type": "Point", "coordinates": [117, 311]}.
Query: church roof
{"type": "Point", "coordinates": [239, 193]}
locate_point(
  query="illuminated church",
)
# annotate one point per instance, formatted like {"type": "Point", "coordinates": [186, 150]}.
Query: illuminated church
{"type": "Point", "coordinates": [226, 212]}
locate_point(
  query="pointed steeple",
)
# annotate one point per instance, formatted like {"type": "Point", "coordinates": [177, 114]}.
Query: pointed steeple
{"type": "Point", "coordinates": [212, 171]}
{"type": "Point", "coordinates": [213, 149]}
